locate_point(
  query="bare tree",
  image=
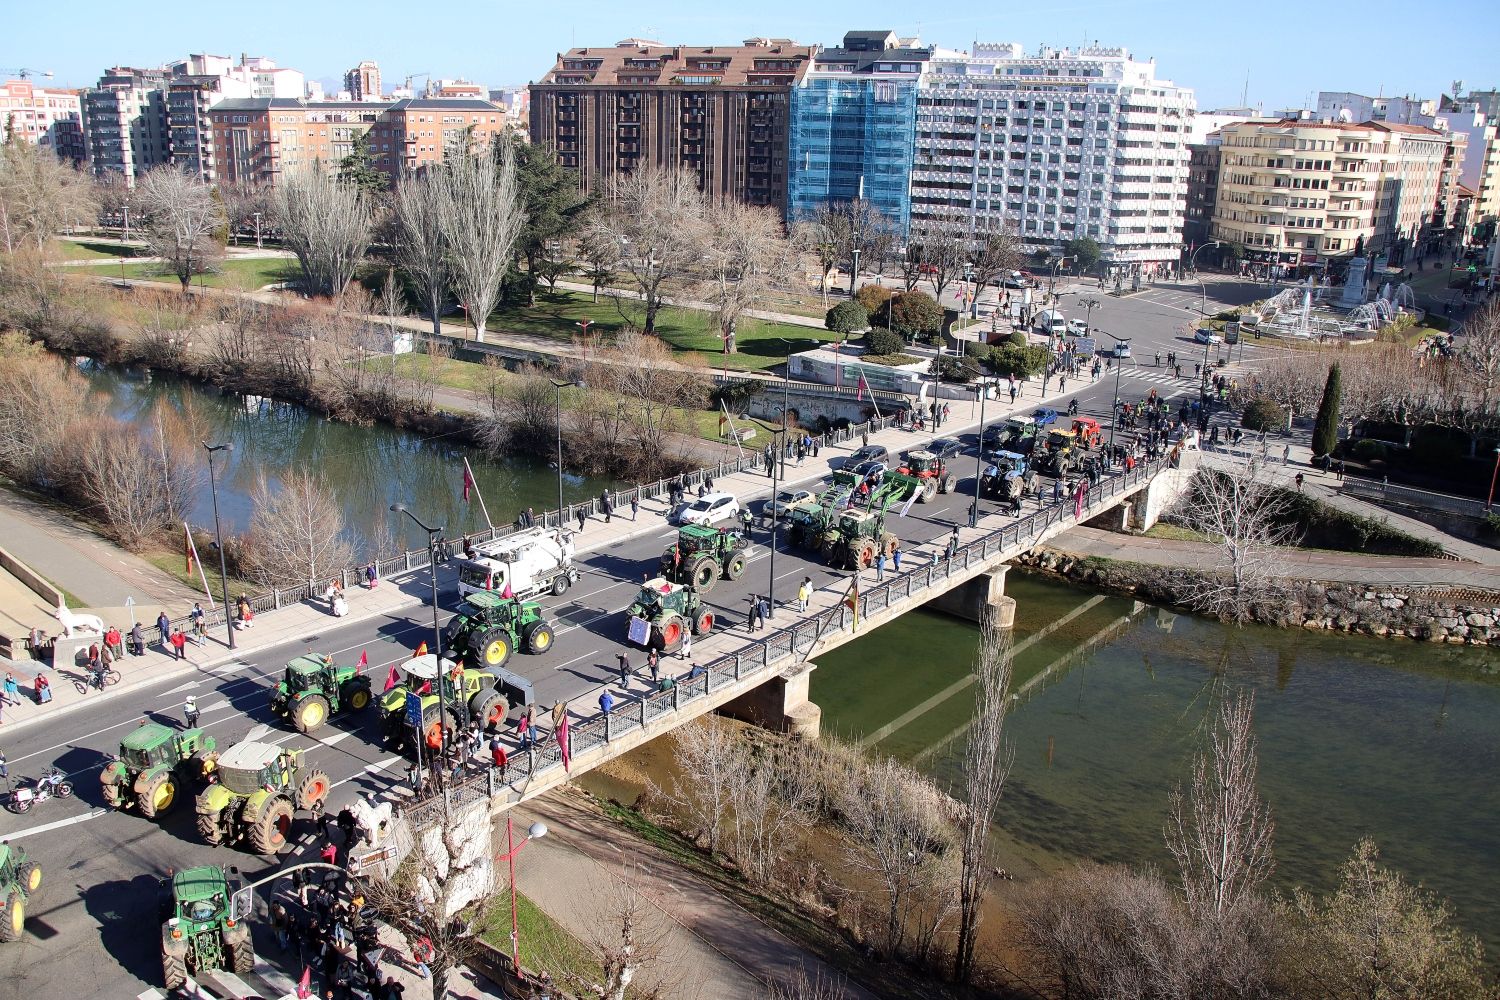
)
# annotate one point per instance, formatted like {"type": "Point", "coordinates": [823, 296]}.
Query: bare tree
{"type": "Point", "coordinates": [392, 303]}
{"type": "Point", "coordinates": [243, 201]}
{"type": "Point", "coordinates": [942, 246]}
{"type": "Point", "coordinates": [135, 483]}
{"type": "Point", "coordinates": [627, 943]}
{"type": "Point", "coordinates": [709, 753]}
{"type": "Point", "coordinates": [656, 218]}
{"type": "Point", "coordinates": [1221, 833]}
{"type": "Point", "coordinates": [771, 792]}
{"type": "Point", "coordinates": [744, 253]}
{"type": "Point", "coordinates": [114, 195]}
{"type": "Point", "coordinates": [804, 986]}
{"type": "Point", "coordinates": [39, 196]}
{"type": "Point", "coordinates": [987, 761]}
{"type": "Point", "coordinates": [994, 253]}
{"type": "Point", "coordinates": [1478, 364]}
{"type": "Point", "coordinates": [1248, 518]}
{"type": "Point", "coordinates": [296, 531]}
{"type": "Point", "coordinates": [482, 215]}
{"type": "Point", "coordinates": [417, 216]}
{"type": "Point", "coordinates": [652, 387]}
{"type": "Point", "coordinates": [326, 224]}
{"type": "Point", "coordinates": [839, 233]}
{"type": "Point", "coordinates": [183, 222]}
{"type": "Point", "coordinates": [39, 397]}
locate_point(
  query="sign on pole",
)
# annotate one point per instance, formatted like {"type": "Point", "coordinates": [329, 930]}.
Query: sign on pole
{"type": "Point", "coordinates": [242, 904]}
{"type": "Point", "coordinates": [414, 710]}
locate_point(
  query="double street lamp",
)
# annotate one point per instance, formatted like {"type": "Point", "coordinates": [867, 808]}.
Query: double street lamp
{"type": "Point", "coordinates": [1115, 419]}
{"type": "Point", "coordinates": [1193, 266]}
{"type": "Point", "coordinates": [433, 541]}
{"type": "Point", "coordinates": [560, 386]}
{"type": "Point", "coordinates": [213, 486]}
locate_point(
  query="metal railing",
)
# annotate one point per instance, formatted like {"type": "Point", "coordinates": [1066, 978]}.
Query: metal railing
{"type": "Point", "coordinates": [1369, 489]}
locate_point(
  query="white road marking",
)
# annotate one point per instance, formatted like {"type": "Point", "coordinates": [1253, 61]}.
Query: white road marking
{"type": "Point", "coordinates": [182, 687]}
{"type": "Point", "coordinates": [575, 659]}
{"type": "Point", "coordinates": [335, 739]}
{"type": "Point", "coordinates": [379, 765]}
{"type": "Point", "coordinates": [45, 827]}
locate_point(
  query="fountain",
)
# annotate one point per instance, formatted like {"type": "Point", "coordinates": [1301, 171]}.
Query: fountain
{"type": "Point", "coordinates": [1354, 284]}
{"type": "Point", "coordinates": [1371, 315]}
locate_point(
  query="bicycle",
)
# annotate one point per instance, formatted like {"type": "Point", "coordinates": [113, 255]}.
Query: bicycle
{"type": "Point", "coordinates": [99, 679]}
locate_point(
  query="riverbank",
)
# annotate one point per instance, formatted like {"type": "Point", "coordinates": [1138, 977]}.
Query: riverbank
{"type": "Point", "coordinates": [1429, 600]}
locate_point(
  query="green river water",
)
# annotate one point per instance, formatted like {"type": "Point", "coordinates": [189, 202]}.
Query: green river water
{"type": "Point", "coordinates": [1358, 736]}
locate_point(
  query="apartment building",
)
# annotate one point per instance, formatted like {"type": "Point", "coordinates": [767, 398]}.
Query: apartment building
{"type": "Point", "coordinates": [1303, 192]}
{"type": "Point", "coordinates": [363, 81]}
{"type": "Point", "coordinates": [719, 112]}
{"type": "Point", "coordinates": [1202, 192]}
{"type": "Point", "coordinates": [44, 116]}
{"type": "Point", "coordinates": [125, 122]}
{"type": "Point", "coordinates": [1058, 144]}
{"type": "Point", "coordinates": [1344, 106]}
{"type": "Point", "coordinates": [257, 141]}
{"type": "Point", "coordinates": [1479, 168]}
{"type": "Point", "coordinates": [853, 126]}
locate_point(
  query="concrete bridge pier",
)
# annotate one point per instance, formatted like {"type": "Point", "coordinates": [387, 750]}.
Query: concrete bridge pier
{"type": "Point", "coordinates": [983, 594]}
{"type": "Point", "coordinates": [781, 705]}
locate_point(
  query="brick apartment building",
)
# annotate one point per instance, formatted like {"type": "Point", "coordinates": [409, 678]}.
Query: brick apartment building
{"type": "Point", "coordinates": [255, 141]}
{"type": "Point", "coordinates": [44, 116]}
{"type": "Point", "coordinates": [720, 112]}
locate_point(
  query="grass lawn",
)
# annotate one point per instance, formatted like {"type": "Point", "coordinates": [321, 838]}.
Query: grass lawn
{"type": "Point", "coordinates": [545, 944]}
{"type": "Point", "coordinates": [252, 273]}
{"type": "Point", "coordinates": [556, 316]}
{"type": "Point", "coordinates": [174, 565]}
{"type": "Point", "coordinates": [82, 249]}
{"type": "Point", "coordinates": [1171, 532]}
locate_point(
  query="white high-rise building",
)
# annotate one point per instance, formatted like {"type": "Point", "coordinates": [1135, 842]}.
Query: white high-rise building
{"type": "Point", "coordinates": [1061, 144]}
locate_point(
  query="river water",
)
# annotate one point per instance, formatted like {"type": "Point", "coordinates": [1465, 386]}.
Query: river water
{"type": "Point", "coordinates": [369, 468]}
{"type": "Point", "coordinates": [1358, 736]}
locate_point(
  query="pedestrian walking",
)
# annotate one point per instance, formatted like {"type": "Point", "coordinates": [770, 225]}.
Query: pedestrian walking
{"type": "Point", "coordinates": [1338, 467]}
{"type": "Point", "coordinates": [164, 626]}
{"type": "Point", "coordinates": [864, 435]}
{"type": "Point", "coordinates": [804, 594]}
{"type": "Point", "coordinates": [764, 604]}
{"type": "Point", "coordinates": [756, 622]}
{"type": "Point", "coordinates": [623, 664]}
{"type": "Point", "coordinates": [190, 711]}
{"type": "Point", "coordinates": [605, 507]}
{"type": "Point", "coordinates": [653, 664]}
{"type": "Point", "coordinates": [582, 517]}
{"type": "Point", "coordinates": [179, 644]}
{"type": "Point", "coordinates": [687, 645]}
{"type": "Point", "coordinates": [1286, 455]}
{"type": "Point", "coordinates": [137, 640]}
{"type": "Point", "coordinates": [606, 702]}
{"type": "Point", "coordinates": [896, 555]}
{"type": "Point", "coordinates": [1012, 392]}
{"type": "Point", "coordinates": [635, 506]}
{"type": "Point", "coordinates": [247, 613]}
{"type": "Point", "coordinates": [372, 577]}
{"type": "Point", "coordinates": [879, 567]}
{"type": "Point", "coordinates": [1298, 481]}
{"type": "Point", "coordinates": [12, 690]}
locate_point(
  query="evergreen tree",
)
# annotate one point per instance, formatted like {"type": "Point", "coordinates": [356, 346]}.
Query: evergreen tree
{"type": "Point", "coordinates": [358, 169]}
{"type": "Point", "coordinates": [554, 207]}
{"type": "Point", "coordinates": [1326, 428]}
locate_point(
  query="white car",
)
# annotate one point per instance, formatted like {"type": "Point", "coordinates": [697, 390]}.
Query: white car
{"type": "Point", "coordinates": [710, 509]}
{"type": "Point", "coordinates": [1078, 328]}
{"type": "Point", "coordinates": [1206, 335]}
{"type": "Point", "coordinates": [1121, 349]}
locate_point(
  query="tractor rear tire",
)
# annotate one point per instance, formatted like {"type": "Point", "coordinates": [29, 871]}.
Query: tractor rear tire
{"type": "Point", "coordinates": [704, 574]}
{"type": "Point", "coordinates": [239, 953]}
{"type": "Point", "coordinates": [311, 713]}
{"type": "Point", "coordinates": [538, 637]}
{"type": "Point", "coordinates": [863, 553]}
{"type": "Point", "coordinates": [927, 490]}
{"type": "Point", "coordinates": [159, 797]}
{"type": "Point", "coordinates": [269, 834]}
{"type": "Point", "coordinates": [312, 790]}
{"type": "Point", "coordinates": [736, 567]}
{"type": "Point", "coordinates": [492, 646]}
{"type": "Point", "coordinates": [29, 876]}
{"type": "Point", "coordinates": [14, 923]}
{"type": "Point", "coordinates": [945, 485]}
{"type": "Point", "coordinates": [210, 829]}
{"type": "Point", "coordinates": [355, 697]}
{"type": "Point", "coordinates": [174, 972]}
{"type": "Point", "coordinates": [489, 708]}
{"type": "Point", "coordinates": [703, 623]}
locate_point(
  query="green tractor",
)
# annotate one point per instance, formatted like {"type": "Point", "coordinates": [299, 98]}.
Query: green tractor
{"type": "Point", "coordinates": [809, 522]}
{"type": "Point", "coordinates": [664, 613]}
{"type": "Point", "coordinates": [198, 934]}
{"type": "Point", "coordinates": [702, 554]}
{"type": "Point", "coordinates": [255, 790]}
{"type": "Point", "coordinates": [19, 881]}
{"type": "Point", "coordinates": [155, 764]}
{"type": "Point", "coordinates": [482, 694]}
{"type": "Point", "coordinates": [856, 536]}
{"type": "Point", "coordinates": [489, 627]}
{"type": "Point", "coordinates": [1059, 457]}
{"type": "Point", "coordinates": [314, 688]}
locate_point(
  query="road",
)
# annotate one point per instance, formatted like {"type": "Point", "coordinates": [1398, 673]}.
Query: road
{"type": "Point", "coordinates": [92, 927]}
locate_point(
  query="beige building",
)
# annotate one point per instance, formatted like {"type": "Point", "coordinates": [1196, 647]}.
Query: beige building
{"type": "Point", "coordinates": [1305, 192]}
{"type": "Point", "coordinates": [45, 116]}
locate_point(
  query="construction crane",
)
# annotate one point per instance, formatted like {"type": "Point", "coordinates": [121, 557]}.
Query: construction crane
{"type": "Point", "coordinates": [25, 73]}
{"type": "Point", "coordinates": [406, 84]}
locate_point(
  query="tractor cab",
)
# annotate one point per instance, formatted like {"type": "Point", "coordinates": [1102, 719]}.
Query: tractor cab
{"type": "Point", "coordinates": [661, 595]}
{"type": "Point", "coordinates": [858, 524]}
{"type": "Point", "coordinates": [1086, 431]}
{"type": "Point", "coordinates": [1009, 461]}
{"type": "Point", "coordinates": [246, 768]}
{"type": "Point", "coordinates": [922, 463]}
{"type": "Point", "coordinates": [421, 674]}
{"type": "Point", "coordinates": [1058, 441]}
{"type": "Point", "coordinates": [147, 746]}
{"type": "Point", "coordinates": [308, 672]}
{"type": "Point", "coordinates": [200, 895]}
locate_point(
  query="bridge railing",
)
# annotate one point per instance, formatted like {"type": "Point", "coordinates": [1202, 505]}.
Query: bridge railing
{"type": "Point", "coordinates": [763, 656]}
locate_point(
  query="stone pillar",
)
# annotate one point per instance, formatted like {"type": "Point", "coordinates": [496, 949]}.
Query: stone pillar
{"type": "Point", "coordinates": [985, 592]}
{"type": "Point", "coordinates": [780, 704]}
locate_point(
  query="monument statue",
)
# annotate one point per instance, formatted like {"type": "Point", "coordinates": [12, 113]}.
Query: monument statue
{"type": "Point", "coordinates": [1354, 284]}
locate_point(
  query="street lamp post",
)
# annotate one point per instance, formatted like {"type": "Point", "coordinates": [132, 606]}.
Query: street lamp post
{"type": "Point", "coordinates": [535, 832]}
{"type": "Point", "coordinates": [560, 386]}
{"type": "Point", "coordinates": [1115, 413]}
{"type": "Point", "coordinates": [1089, 306]}
{"type": "Point", "coordinates": [437, 634]}
{"type": "Point", "coordinates": [1052, 286]}
{"type": "Point", "coordinates": [213, 486]}
{"type": "Point", "coordinates": [781, 447]}
{"type": "Point", "coordinates": [257, 231]}
{"type": "Point", "coordinates": [1193, 266]}
{"type": "Point", "coordinates": [979, 456]}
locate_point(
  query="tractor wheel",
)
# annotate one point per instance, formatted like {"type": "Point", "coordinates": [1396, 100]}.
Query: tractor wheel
{"type": "Point", "coordinates": [888, 543]}
{"type": "Point", "coordinates": [703, 623]}
{"type": "Point", "coordinates": [736, 567]}
{"type": "Point", "coordinates": [29, 876]}
{"type": "Point", "coordinates": [864, 553]}
{"type": "Point", "coordinates": [538, 637]}
{"type": "Point", "coordinates": [668, 635]}
{"type": "Point", "coordinates": [210, 829]}
{"type": "Point", "coordinates": [560, 584]}
{"type": "Point", "coordinates": [111, 793]}
{"type": "Point", "coordinates": [239, 954]}
{"type": "Point", "coordinates": [356, 696]}
{"type": "Point", "coordinates": [312, 790]}
{"type": "Point", "coordinates": [829, 548]}
{"type": "Point", "coordinates": [174, 971]}
{"type": "Point", "coordinates": [433, 722]}
{"type": "Point", "coordinates": [15, 917]}
{"type": "Point", "coordinates": [269, 834]}
{"type": "Point", "coordinates": [493, 647]}
{"type": "Point", "coordinates": [202, 764]}
{"type": "Point", "coordinates": [489, 707]}
{"type": "Point", "coordinates": [704, 574]}
{"type": "Point", "coordinates": [945, 485]}
{"type": "Point", "coordinates": [159, 796]}
{"type": "Point", "coordinates": [311, 713]}
{"type": "Point", "coordinates": [927, 490]}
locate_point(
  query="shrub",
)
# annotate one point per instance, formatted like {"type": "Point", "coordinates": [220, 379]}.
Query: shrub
{"type": "Point", "coordinates": [873, 298]}
{"type": "Point", "coordinates": [954, 369]}
{"type": "Point", "coordinates": [1262, 414]}
{"type": "Point", "coordinates": [880, 341]}
{"type": "Point", "coordinates": [915, 313]}
{"type": "Point", "coordinates": [1022, 362]}
{"type": "Point", "coordinates": [847, 317]}
{"type": "Point", "coordinates": [1371, 451]}
{"type": "Point", "coordinates": [1017, 338]}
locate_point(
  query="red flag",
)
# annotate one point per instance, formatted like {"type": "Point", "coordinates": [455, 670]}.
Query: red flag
{"type": "Point", "coordinates": [422, 649]}
{"type": "Point", "coordinates": [304, 985]}
{"type": "Point", "coordinates": [507, 593]}
{"type": "Point", "coordinates": [187, 547]}
{"type": "Point", "coordinates": [468, 481]}
{"type": "Point", "coordinates": [864, 387]}
{"type": "Point", "coordinates": [564, 744]}
{"type": "Point", "coordinates": [1078, 499]}
{"type": "Point", "coordinates": [391, 679]}
{"type": "Point", "coordinates": [364, 659]}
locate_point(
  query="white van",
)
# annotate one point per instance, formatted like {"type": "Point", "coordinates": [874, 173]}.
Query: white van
{"type": "Point", "coordinates": [1052, 323]}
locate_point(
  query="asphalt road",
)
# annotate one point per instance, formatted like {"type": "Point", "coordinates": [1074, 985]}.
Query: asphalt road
{"type": "Point", "coordinates": [92, 928]}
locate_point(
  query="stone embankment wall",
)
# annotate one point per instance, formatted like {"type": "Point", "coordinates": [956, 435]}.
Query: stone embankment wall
{"type": "Point", "coordinates": [1426, 614]}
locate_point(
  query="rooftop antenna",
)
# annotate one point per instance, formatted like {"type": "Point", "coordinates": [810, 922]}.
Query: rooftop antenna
{"type": "Point", "coordinates": [1245, 94]}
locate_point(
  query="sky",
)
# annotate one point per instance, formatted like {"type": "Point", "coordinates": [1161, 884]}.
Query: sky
{"type": "Point", "coordinates": [1277, 53]}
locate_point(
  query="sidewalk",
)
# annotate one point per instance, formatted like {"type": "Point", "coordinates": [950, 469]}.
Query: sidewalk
{"type": "Point", "coordinates": [396, 594]}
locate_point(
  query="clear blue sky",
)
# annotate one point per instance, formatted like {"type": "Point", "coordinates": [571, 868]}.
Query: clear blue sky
{"type": "Point", "coordinates": [1290, 50]}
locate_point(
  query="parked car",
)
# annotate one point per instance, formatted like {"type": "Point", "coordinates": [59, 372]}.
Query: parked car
{"type": "Point", "coordinates": [785, 500]}
{"type": "Point", "coordinates": [709, 509]}
{"type": "Point", "coordinates": [1014, 279]}
{"type": "Point", "coordinates": [1078, 328]}
{"type": "Point", "coordinates": [1121, 349]}
{"type": "Point", "coordinates": [1044, 415]}
{"type": "Point", "coordinates": [869, 453]}
{"type": "Point", "coordinates": [1207, 335]}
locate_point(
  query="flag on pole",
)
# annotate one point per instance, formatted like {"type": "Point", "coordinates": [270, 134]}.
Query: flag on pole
{"type": "Point", "coordinates": [564, 743]}
{"type": "Point", "coordinates": [1078, 498]}
{"type": "Point", "coordinates": [853, 600]}
{"type": "Point", "coordinates": [304, 985]}
{"type": "Point", "coordinates": [391, 679]}
{"type": "Point", "coordinates": [187, 547]}
{"type": "Point", "coordinates": [906, 508]}
{"type": "Point", "coordinates": [864, 387]}
{"type": "Point", "coordinates": [364, 659]}
{"type": "Point", "coordinates": [468, 481]}
{"type": "Point", "coordinates": [422, 649]}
